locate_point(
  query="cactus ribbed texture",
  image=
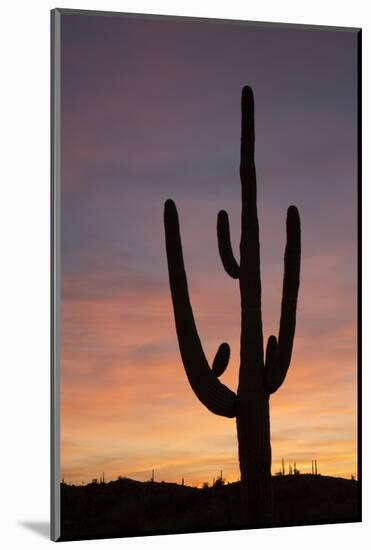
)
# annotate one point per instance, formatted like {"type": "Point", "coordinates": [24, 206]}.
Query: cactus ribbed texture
{"type": "Point", "coordinates": [257, 379]}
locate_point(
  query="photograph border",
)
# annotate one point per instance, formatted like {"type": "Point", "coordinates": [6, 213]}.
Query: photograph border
{"type": "Point", "coordinates": [55, 232]}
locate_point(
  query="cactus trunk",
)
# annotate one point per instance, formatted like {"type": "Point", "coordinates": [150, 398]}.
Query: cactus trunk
{"type": "Point", "coordinates": [258, 378]}
{"type": "Point", "coordinates": [253, 428]}
{"type": "Point", "coordinates": [254, 453]}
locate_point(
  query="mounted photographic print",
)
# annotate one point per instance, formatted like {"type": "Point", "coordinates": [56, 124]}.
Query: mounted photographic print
{"type": "Point", "coordinates": [205, 281]}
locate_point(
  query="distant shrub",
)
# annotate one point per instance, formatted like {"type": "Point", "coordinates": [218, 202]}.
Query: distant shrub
{"type": "Point", "coordinates": [219, 482]}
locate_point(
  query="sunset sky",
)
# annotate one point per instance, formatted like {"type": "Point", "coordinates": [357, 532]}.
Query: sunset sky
{"type": "Point", "coordinates": [150, 110]}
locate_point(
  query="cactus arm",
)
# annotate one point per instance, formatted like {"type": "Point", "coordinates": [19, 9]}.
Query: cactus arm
{"type": "Point", "coordinates": [270, 353]}
{"type": "Point", "coordinates": [221, 359]}
{"type": "Point", "coordinates": [277, 371]}
{"type": "Point", "coordinates": [225, 248]}
{"type": "Point", "coordinates": [210, 391]}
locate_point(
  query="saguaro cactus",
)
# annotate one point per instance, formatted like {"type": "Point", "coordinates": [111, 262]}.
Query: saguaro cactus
{"type": "Point", "coordinates": [257, 378]}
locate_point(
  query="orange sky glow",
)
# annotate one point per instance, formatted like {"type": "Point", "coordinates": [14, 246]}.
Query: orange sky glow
{"type": "Point", "coordinates": [145, 416]}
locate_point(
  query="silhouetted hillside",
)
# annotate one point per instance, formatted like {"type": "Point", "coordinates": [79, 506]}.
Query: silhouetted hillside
{"type": "Point", "coordinates": [126, 507]}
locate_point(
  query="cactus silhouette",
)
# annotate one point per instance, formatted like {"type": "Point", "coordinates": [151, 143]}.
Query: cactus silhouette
{"type": "Point", "coordinates": [257, 378]}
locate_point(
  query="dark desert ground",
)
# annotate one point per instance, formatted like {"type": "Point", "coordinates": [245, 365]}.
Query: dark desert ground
{"type": "Point", "coordinates": [126, 507]}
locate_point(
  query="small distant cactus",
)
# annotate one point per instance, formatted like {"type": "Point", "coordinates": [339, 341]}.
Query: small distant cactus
{"type": "Point", "coordinates": [219, 481]}
{"type": "Point", "coordinates": [258, 378]}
